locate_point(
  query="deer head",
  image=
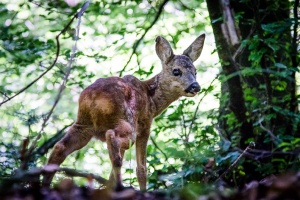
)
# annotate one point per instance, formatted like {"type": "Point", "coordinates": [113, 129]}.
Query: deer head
{"type": "Point", "coordinates": [179, 73]}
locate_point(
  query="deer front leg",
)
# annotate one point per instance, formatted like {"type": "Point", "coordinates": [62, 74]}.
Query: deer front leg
{"type": "Point", "coordinates": [75, 138]}
{"type": "Point", "coordinates": [141, 154]}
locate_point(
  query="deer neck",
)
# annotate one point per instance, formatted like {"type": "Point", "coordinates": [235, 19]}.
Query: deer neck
{"type": "Point", "coordinates": [160, 97]}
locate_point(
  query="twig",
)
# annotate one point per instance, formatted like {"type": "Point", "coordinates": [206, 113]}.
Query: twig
{"type": "Point", "coordinates": [275, 140]}
{"type": "Point", "coordinates": [241, 48]}
{"type": "Point", "coordinates": [63, 84]}
{"type": "Point", "coordinates": [3, 93]}
{"type": "Point", "coordinates": [197, 108]}
{"type": "Point", "coordinates": [73, 172]}
{"type": "Point", "coordinates": [163, 153]}
{"type": "Point", "coordinates": [221, 133]}
{"type": "Point", "coordinates": [297, 151]}
{"type": "Point", "coordinates": [188, 8]}
{"type": "Point", "coordinates": [183, 123]}
{"type": "Point", "coordinates": [43, 149]}
{"type": "Point", "coordinates": [36, 172]}
{"type": "Point", "coordinates": [136, 44]}
{"type": "Point", "coordinates": [257, 154]}
{"type": "Point", "coordinates": [40, 5]}
{"type": "Point", "coordinates": [156, 146]}
{"type": "Point", "coordinates": [252, 144]}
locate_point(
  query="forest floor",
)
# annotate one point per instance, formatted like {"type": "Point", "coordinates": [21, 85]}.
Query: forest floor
{"type": "Point", "coordinates": [284, 187]}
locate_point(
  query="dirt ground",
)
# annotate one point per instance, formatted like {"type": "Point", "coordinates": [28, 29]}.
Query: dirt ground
{"type": "Point", "coordinates": [284, 187]}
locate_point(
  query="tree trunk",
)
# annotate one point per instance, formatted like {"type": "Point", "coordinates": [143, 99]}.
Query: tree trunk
{"type": "Point", "coordinates": [259, 76]}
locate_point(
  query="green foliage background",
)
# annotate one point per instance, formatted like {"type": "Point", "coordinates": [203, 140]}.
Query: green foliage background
{"type": "Point", "coordinates": [109, 30]}
{"type": "Point", "coordinates": [117, 38]}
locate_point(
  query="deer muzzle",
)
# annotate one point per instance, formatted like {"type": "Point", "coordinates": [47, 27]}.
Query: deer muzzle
{"type": "Point", "coordinates": [193, 88]}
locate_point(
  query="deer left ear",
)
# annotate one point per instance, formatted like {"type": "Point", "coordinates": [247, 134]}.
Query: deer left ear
{"type": "Point", "coordinates": [195, 49]}
{"type": "Point", "coordinates": [163, 49]}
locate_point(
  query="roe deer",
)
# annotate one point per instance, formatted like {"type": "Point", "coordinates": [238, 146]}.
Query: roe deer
{"type": "Point", "coordinates": [120, 111]}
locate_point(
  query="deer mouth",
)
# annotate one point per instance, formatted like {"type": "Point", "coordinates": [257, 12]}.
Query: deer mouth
{"type": "Point", "coordinates": [191, 94]}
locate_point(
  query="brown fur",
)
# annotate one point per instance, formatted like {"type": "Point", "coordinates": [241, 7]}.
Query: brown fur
{"type": "Point", "coordinates": [119, 111]}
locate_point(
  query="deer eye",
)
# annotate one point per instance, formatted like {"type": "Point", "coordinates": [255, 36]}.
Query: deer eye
{"type": "Point", "coordinates": [177, 72]}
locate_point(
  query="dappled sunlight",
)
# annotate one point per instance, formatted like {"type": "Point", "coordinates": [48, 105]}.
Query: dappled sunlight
{"type": "Point", "coordinates": [242, 126]}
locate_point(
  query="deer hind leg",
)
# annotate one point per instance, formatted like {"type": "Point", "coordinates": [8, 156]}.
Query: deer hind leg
{"type": "Point", "coordinates": [115, 173]}
{"type": "Point", "coordinates": [118, 140]}
{"type": "Point", "coordinates": [76, 138]}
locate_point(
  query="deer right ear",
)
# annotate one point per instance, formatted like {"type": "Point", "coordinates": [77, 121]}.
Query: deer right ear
{"type": "Point", "coordinates": [195, 49]}
{"type": "Point", "coordinates": [163, 49]}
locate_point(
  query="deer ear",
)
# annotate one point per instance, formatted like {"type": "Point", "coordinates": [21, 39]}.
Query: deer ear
{"type": "Point", "coordinates": [195, 49]}
{"type": "Point", "coordinates": [163, 49]}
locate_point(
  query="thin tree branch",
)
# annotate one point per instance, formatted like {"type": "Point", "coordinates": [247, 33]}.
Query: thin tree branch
{"type": "Point", "coordinates": [241, 48]}
{"type": "Point", "coordinates": [31, 174]}
{"type": "Point", "coordinates": [49, 68]}
{"type": "Point", "coordinates": [257, 154]}
{"type": "Point", "coordinates": [236, 161]}
{"type": "Point", "coordinates": [297, 151]}
{"type": "Point", "coordinates": [183, 124]}
{"type": "Point", "coordinates": [275, 140]}
{"type": "Point", "coordinates": [73, 172]}
{"type": "Point", "coordinates": [4, 94]}
{"type": "Point", "coordinates": [163, 153]}
{"type": "Point", "coordinates": [43, 149]}
{"type": "Point", "coordinates": [40, 5]}
{"type": "Point", "coordinates": [156, 146]}
{"type": "Point", "coordinates": [197, 108]}
{"type": "Point", "coordinates": [137, 43]}
{"type": "Point", "coordinates": [188, 8]}
{"type": "Point", "coordinates": [64, 82]}
{"type": "Point", "coordinates": [222, 135]}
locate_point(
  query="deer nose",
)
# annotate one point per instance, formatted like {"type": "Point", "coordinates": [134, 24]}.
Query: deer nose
{"type": "Point", "coordinates": [193, 88]}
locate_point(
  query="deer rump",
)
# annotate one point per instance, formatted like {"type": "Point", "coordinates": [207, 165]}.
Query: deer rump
{"type": "Point", "coordinates": [110, 102]}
